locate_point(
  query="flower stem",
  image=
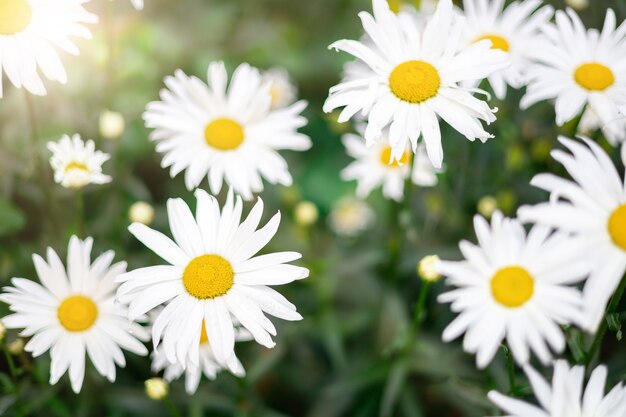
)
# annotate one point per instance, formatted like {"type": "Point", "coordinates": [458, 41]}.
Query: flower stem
{"type": "Point", "coordinates": [420, 308]}
{"type": "Point", "coordinates": [171, 407]}
{"type": "Point", "coordinates": [510, 364]}
{"type": "Point", "coordinates": [80, 213]}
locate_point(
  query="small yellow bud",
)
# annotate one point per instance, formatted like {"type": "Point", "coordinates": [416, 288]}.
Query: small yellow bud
{"type": "Point", "coordinates": [487, 205]}
{"type": "Point", "coordinates": [306, 213]}
{"type": "Point", "coordinates": [141, 212]}
{"type": "Point", "coordinates": [16, 347]}
{"type": "Point", "coordinates": [3, 330]}
{"type": "Point", "coordinates": [427, 268]}
{"type": "Point", "coordinates": [577, 4]}
{"type": "Point", "coordinates": [156, 388]}
{"type": "Point", "coordinates": [111, 124]}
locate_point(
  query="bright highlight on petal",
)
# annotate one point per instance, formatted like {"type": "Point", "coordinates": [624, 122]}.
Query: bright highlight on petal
{"type": "Point", "coordinates": [15, 16]}
{"type": "Point", "coordinates": [617, 226]}
{"type": "Point", "coordinates": [208, 276]}
{"type": "Point", "coordinates": [497, 42]}
{"type": "Point", "coordinates": [77, 313]}
{"type": "Point", "coordinates": [512, 286]}
{"type": "Point", "coordinates": [594, 76]}
{"type": "Point", "coordinates": [224, 134]}
{"type": "Point", "coordinates": [414, 81]}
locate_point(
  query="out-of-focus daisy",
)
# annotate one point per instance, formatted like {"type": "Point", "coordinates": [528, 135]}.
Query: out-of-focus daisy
{"type": "Point", "coordinates": [578, 67]}
{"type": "Point", "coordinates": [30, 33]}
{"type": "Point", "coordinates": [74, 313]}
{"type": "Point", "coordinates": [374, 166]}
{"type": "Point", "coordinates": [514, 30]}
{"type": "Point", "coordinates": [206, 364]}
{"type": "Point", "coordinates": [568, 395]}
{"type": "Point", "coordinates": [350, 216]}
{"type": "Point", "coordinates": [593, 207]}
{"type": "Point", "coordinates": [222, 134]}
{"type": "Point", "coordinates": [137, 4]}
{"type": "Point", "coordinates": [415, 80]}
{"type": "Point", "coordinates": [282, 89]}
{"type": "Point", "coordinates": [213, 276]}
{"type": "Point", "coordinates": [77, 163]}
{"type": "Point", "coordinates": [513, 286]}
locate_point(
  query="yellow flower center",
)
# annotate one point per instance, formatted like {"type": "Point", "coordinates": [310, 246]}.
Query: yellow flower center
{"type": "Point", "coordinates": [75, 165]}
{"type": "Point", "coordinates": [617, 226]}
{"type": "Point", "coordinates": [224, 134]}
{"type": "Point", "coordinates": [204, 338]}
{"type": "Point", "coordinates": [15, 15]}
{"type": "Point", "coordinates": [497, 42]}
{"type": "Point", "coordinates": [414, 81]}
{"type": "Point", "coordinates": [385, 156]}
{"type": "Point", "coordinates": [208, 276]}
{"type": "Point", "coordinates": [512, 286]}
{"type": "Point", "coordinates": [77, 313]}
{"type": "Point", "coordinates": [593, 76]}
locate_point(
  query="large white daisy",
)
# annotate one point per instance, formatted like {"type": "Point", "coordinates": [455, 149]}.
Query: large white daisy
{"type": "Point", "coordinates": [513, 286]}
{"type": "Point", "coordinates": [230, 135]}
{"type": "Point", "coordinates": [373, 167]}
{"type": "Point", "coordinates": [74, 313]}
{"type": "Point", "coordinates": [213, 276]}
{"type": "Point", "coordinates": [415, 79]}
{"type": "Point", "coordinates": [577, 67]}
{"type": "Point", "coordinates": [77, 163]}
{"type": "Point", "coordinates": [568, 395]}
{"type": "Point", "coordinates": [514, 30]}
{"type": "Point", "coordinates": [593, 207]}
{"type": "Point", "coordinates": [31, 31]}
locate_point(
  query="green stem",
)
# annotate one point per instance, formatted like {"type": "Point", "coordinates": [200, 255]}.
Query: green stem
{"type": "Point", "coordinates": [171, 407]}
{"type": "Point", "coordinates": [420, 308]}
{"type": "Point", "coordinates": [16, 391]}
{"type": "Point", "coordinates": [80, 214]}
{"type": "Point", "coordinates": [510, 364]}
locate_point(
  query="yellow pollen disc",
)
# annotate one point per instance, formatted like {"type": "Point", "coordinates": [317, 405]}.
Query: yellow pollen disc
{"type": "Point", "coordinates": [414, 81]}
{"type": "Point", "coordinates": [385, 156]}
{"type": "Point", "coordinates": [204, 338]}
{"type": "Point", "coordinates": [208, 276]}
{"type": "Point", "coordinates": [15, 15]}
{"type": "Point", "coordinates": [497, 42]}
{"type": "Point", "coordinates": [617, 226]}
{"type": "Point", "coordinates": [512, 286]}
{"type": "Point", "coordinates": [75, 165]}
{"type": "Point", "coordinates": [77, 313]}
{"type": "Point", "coordinates": [224, 134]}
{"type": "Point", "coordinates": [395, 5]}
{"type": "Point", "coordinates": [593, 76]}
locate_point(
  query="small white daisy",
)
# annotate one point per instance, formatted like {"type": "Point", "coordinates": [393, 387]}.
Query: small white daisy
{"type": "Point", "coordinates": [593, 207]}
{"type": "Point", "coordinates": [225, 135]}
{"type": "Point", "coordinates": [213, 276]}
{"type": "Point", "coordinates": [415, 79]}
{"type": "Point", "coordinates": [513, 286]}
{"type": "Point", "coordinates": [568, 395]}
{"type": "Point", "coordinates": [374, 166]}
{"type": "Point", "coordinates": [77, 163]}
{"type": "Point", "coordinates": [30, 33]}
{"type": "Point", "coordinates": [282, 89]}
{"type": "Point", "coordinates": [206, 363]}
{"type": "Point", "coordinates": [514, 30]}
{"type": "Point", "coordinates": [577, 67]}
{"type": "Point", "coordinates": [74, 313]}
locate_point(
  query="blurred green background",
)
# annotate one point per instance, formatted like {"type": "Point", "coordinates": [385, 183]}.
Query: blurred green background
{"type": "Point", "coordinates": [355, 353]}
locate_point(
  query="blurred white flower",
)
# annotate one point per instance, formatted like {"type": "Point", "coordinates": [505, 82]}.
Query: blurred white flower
{"type": "Point", "coordinates": [514, 286]}
{"type": "Point", "coordinates": [74, 313]}
{"type": "Point", "coordinates": [111, 124]}
{"type": "Point", "coordinates": [77, 163]}
{"type": "Point", "coordinates": [350, 216]}
{"type": "Point", "coordinates": [282, 88]}
{"type": "Point", "coordinates": [306, 213]}
{"type": "Point", "coordinates": [415, 79]}
{"type": "Point", "coordinates": [230, 136]}
{"type": "Point", "coordinates": [580, 67]}
{"type": "Point", "coordinates": [156, 388]}
{"type": "Point", "coordinates": [30, 33]}
{"type": "Point", "coordinates": [137, 4]}
{"type": "Point", "coordinates": [141, 212]}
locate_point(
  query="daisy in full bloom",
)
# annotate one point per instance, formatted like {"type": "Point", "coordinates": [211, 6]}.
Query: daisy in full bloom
{"type": "Point", "coordinates": [213, 275]}
{"type": "Point", "coordinates": [513, 286]}
{"type": "Point", "coordinates": [282, 89]}
{"type": "Point", "coordinates": [374, 166]}
{"type": "Point", "coordinates": [30, 33]}
{"type": "Point", "coordinates": [568, 395]}
{"type": "Point", "coordinates": [74, 313]}
{"type": "Point", "coordinates": [225, 134]}
{"type": "Point", "coordinates": [514, 30]}
{"type": "Point", "coordinates": [580, 67]}
{"type": "Point", "coordinates": [206, 363]}
{"type": "Point", "coordinates": [77, 163]}
{"type": "Point", "coordinates": [415, 79]}
{"type": "Point", "coordinates": [593, 207]}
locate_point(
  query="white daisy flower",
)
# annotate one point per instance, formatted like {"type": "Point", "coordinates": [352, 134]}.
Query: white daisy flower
{"type": "Point", "coordinates": [213, 276]}
{"type": "Point", "coordinates": [282, 89]}
{"type": "Point", "coordinates": [205, 364]}
{"type": "Point", "coordinates": [567, 396]}
{"type": "Point", "coordinates": [578, 67]}
{"type": "Point", "coordinates": [74, 313]}
{"type": "Point", "coordinates": [137, 4]}
{"type": "Point", "coordinates": [513, 286]}
{"type": "Point", "coordinates": [415, 80]}
{"type": "Point", "coordinates": [373, 167]}
{"type": "Point", "coordinates": [514, 30]}
{"type": "Point", "coordinates": [593, 207]}
{"type": "Point", "coordinates": [30, 33]}
{"type": "Point", "coordinates": [350, 216]}
{"type": "Point", "coordinates": [77, 163]}
{"type": "Point", "coordinates": [225, 135]}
